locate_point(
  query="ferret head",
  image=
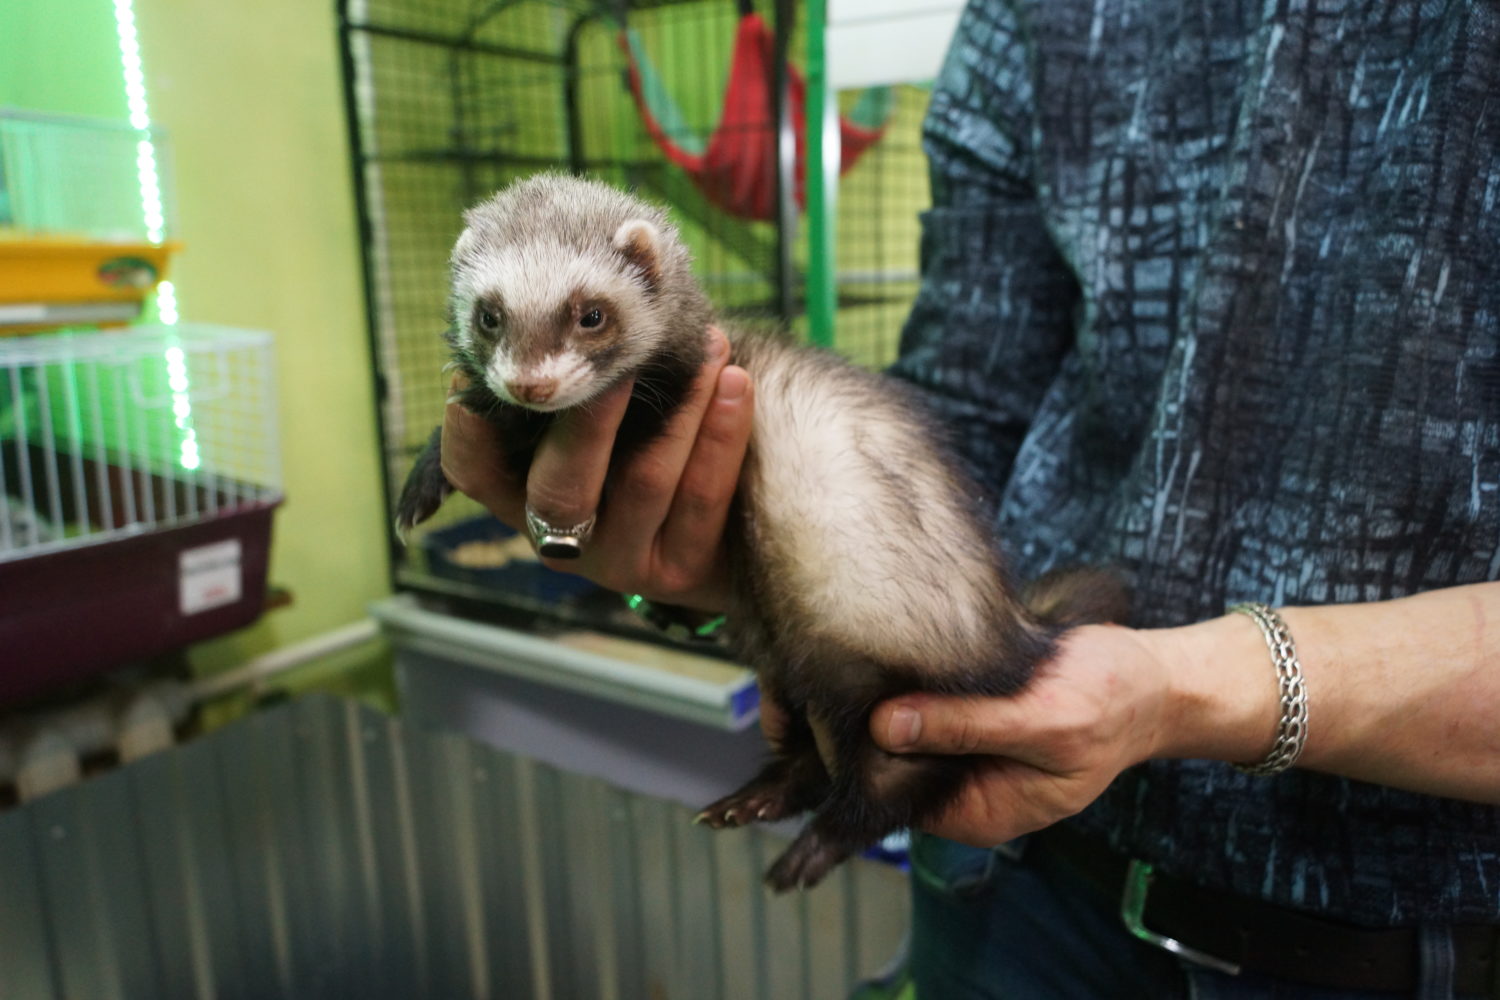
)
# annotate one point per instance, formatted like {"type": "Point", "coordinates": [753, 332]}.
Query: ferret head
{"type": "Point", "coordinates": [563, 286]}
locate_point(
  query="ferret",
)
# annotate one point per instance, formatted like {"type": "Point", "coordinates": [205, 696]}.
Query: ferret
{"type": "Point", "coordinates": [861, 565]}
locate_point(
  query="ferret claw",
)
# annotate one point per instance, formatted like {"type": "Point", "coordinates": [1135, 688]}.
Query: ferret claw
{"type": "Point", "coordinates": [757, 802]}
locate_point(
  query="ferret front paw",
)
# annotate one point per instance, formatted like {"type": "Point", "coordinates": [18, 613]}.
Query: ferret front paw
{"type": "Point", "coordinates": [757, 802]}
{"type": "Point", "coordinates": [786, 786]}
{"type": "Point", "coordinates": [425, 490]}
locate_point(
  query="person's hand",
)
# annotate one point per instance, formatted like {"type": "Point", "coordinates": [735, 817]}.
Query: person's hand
{"type": "Point", "coordinates": [661, 533]}
{"type": "Point", "coordinates": [1099, 706]}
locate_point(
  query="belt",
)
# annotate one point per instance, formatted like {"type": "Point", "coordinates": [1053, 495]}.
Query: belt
{"type": "Point", "coordinates": [1234, 933]}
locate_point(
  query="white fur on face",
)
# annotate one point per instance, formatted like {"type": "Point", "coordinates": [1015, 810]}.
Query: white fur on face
{"type": "Point", "coordinates": [534, 280]}
{"type": "Point", "coordinates": [572, 371]}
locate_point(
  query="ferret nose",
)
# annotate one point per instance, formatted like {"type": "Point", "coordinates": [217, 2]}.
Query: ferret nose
{"type": "Point", "coordinates": [532, 390]}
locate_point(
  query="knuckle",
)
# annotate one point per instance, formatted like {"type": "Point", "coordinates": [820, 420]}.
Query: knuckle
{"type": "Point", "coordinates": [558, 505]}
{"type": "Point", "coordinates": [1068, 748]}
{"type": "Point", "coordinates": [675, 580]}
{"type": "Point", "coordinates": [650, 477]}
{"type": "Point", "coordinates": [967, 735]}
{"type": "Point", "coordinates": [697, 502]}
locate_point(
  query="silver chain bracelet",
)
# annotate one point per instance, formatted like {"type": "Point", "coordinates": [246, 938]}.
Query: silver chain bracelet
{"type": "Point", "coordinates": [1291, 732]}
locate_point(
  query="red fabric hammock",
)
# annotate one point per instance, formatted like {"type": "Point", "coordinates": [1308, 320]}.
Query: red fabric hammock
{"type": "Point", "coordinates": [737, 168]}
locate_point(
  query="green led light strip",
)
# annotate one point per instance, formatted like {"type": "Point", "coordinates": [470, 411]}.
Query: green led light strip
{"type": "Point", "coordinates": [154, 216]}
{"type": "Point", "coordinates": [145, 156]}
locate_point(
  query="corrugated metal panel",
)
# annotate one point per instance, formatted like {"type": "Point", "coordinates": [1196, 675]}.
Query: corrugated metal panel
{"type": "Point", "coordinates": [323, 850]}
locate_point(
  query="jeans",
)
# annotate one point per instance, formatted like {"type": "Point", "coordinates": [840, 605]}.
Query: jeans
{"type": "Point", "coordinates": [994, 924]}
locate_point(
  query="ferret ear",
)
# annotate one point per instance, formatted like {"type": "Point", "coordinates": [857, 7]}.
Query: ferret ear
{"type": "Point", "coordinates": [640, 243]}
{"type": "Point", "coordinates": [463, 247]}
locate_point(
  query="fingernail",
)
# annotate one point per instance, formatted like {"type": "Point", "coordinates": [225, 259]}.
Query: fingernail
{"type": "Point", "coordinates": [732, 383]}
{"type": "Point", "coordinates": [906, 726]}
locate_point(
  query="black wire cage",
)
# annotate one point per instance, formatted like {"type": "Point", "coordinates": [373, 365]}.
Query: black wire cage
{"type": "Point", "coordinates": [449, 100]}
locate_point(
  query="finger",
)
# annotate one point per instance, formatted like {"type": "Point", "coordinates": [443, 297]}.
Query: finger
{"type": "Point", "coordinates": [567, 474]}
{"type": "Point", "coordinates": [473, 463]}
{"type": "Point", "coordinates": [642, 489]}
{"type": "Point", "coordinates": [992, 807]}
{"type": "Point", "coordinates": [926, 724]}
{"type": "Point", "coordinates": [691, 535]}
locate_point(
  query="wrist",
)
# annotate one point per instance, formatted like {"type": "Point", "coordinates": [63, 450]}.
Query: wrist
{"type": "Point", "coordinates": [1222, 693]}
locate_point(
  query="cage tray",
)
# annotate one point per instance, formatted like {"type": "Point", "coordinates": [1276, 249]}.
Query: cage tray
{"type": "Point", "coordinates": [483, 552]}
{"type": "Point", "coordinates": [77, 612]}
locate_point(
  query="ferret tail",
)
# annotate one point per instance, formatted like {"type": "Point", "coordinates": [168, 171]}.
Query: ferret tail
{"type": "Point", "coordinates": [1066, 598]}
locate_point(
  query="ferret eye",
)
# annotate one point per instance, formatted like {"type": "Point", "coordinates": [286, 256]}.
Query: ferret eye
{"type": "Point", "coordinates": [591, 319]}
{"type": "Point", "coordinates": [488, 321]}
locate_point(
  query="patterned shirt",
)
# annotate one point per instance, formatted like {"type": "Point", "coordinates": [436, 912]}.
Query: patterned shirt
{"type": "Point", "coordinates": [1212, 294]}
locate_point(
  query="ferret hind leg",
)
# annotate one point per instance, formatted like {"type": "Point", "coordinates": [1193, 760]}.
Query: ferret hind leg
{"type": "Point", "coordinates": [873, 794]}
{"type": "Point", "coordinates": [426, 487]}
{"type": "Point", "coordinates": [792, 782]}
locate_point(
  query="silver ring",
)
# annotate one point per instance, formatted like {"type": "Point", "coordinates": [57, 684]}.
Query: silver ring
{"type": "Point", "coordinates": [558, 543]}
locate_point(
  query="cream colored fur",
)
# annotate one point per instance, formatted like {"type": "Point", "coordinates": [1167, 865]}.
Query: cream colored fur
{"type": "Point", "coordinates": [878, 579]}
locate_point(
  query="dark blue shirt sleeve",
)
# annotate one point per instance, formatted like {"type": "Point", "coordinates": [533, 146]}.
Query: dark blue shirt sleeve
{"type": "Point", "coordinates": [995, 312]}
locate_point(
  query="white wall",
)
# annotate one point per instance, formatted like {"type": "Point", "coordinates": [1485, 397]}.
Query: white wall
{"type": "Point", "coordinates": [874, 42]}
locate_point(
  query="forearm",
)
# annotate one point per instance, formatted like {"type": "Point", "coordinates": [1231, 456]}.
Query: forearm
{"type": "Point", "coordinates": [1403, 693]}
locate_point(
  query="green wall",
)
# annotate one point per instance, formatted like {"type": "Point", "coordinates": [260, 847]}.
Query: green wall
{"type": "Point", "coordinates": [251, 99]}
{"type": "Point", "coordinates": [61, 56]}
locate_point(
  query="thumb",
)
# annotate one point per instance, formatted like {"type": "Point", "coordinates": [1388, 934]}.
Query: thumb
{"type": "Point", "coordinates": [932, 724]}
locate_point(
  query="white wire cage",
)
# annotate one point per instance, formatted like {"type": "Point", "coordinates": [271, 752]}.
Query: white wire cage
{"type": "Point", "coordinates": [107, 435]}
{"type": "Point", "coordinates": [139, 472]}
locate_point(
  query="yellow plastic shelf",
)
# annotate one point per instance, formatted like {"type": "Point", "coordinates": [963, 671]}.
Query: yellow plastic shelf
{"type": "Point", "coordinates": [63, 271]}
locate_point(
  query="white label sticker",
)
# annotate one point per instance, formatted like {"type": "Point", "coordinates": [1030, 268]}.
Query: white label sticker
{"type": "Point", "coordinates": [209, 576]}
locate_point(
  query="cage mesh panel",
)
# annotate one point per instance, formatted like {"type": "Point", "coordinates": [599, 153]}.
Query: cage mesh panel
{"type": "Point", "coordinates": [878, 235]}
{"type": "Point", "coordinates": [108, 434]}
{"type": "Point", "coordinates": [455, 99]}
